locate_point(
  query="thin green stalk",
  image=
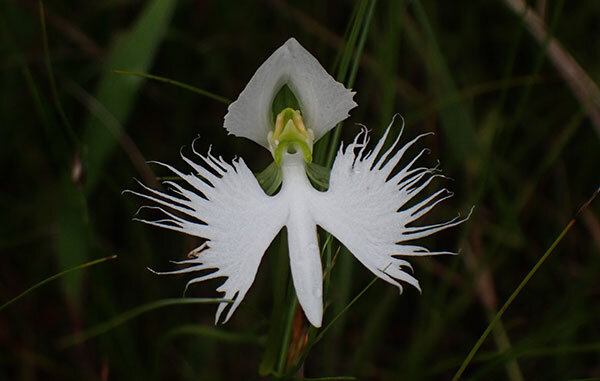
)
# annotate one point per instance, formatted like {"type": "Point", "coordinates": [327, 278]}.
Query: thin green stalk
{"type": "Point", "coordinates": [191, 88]}
{"type": "Point", "coordinates": [345, 62]}
{"type": "Point", "coordinates": [511, 59]}
{"type": "Point", "coordinates": [519, 353]}
{"type": "Point", "coordinates": [456, 120]}
{"type": "Point", "coordinates": [56, 152]}
{"type": "Point", "coordinates": [56, 276]}
{"type": "Point", "coordinates": [328, 251]}
{"type": "Point", "coordinates": [35, 95]}
{"type": "Point", "coordinates": [343, 311]}
{"type": "Point", "coordinates": [287, 333]}
{"type": "Point", "coordinates": [311, 343]}
{"type": "Point", "coordinates": [552, 154]}
{"type": "Point", "coordinates": [80, 337]}
{"type": "Point", "coordinates": [335, 139]}
{"type": "Point", "coordinates": [541, 57]}
{"type": "Point", "coordinates": [280, 282]}
{"type": "Point", "coordinates": [513, 370]}
{"type": "Point", "coordinates": [520, 287]}
{"type": "Point", "coordinates": [346, 38]}
{"type": "Point", "coordinates": [135, 49]}
{"type": "Point", "coordinates": [351, 36]}
{"type": "Point", "coordinates": [48, 62]}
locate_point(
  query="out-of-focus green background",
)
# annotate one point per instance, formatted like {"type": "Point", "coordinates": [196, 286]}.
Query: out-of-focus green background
{"type": "Point", "coordinates": [511, 95]}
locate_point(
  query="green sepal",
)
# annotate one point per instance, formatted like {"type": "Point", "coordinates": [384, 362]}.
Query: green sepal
{"type": "Point", "coordinates": [270, 178]}
{"type": "Point", "coordinates": [318, 175]}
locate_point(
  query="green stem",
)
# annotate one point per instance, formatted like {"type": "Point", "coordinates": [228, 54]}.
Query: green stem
{"type": "Point", "coordinates": [520, 287]}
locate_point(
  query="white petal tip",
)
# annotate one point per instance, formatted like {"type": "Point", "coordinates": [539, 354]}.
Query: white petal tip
{"type": "Point", "coordinates": [315, 321]}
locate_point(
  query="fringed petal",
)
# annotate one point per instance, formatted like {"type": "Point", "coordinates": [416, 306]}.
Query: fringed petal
{"type": "Point", "coordinates": [365, 207]}
{"type": "Point", "coordinates": [226, 206]}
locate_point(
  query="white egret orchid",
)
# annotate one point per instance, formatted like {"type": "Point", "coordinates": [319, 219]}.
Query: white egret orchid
{"type": "Point", "coordinates": [362, 208]}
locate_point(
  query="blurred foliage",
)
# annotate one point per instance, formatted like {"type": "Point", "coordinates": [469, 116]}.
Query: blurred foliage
{"type": "Point", "coordinates": [517, 140]}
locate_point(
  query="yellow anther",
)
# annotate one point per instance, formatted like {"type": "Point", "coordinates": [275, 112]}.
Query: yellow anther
{"type": "Point", "coordinates": [299, 123]}
{"type": "Point", "coordinates": [278, 126]}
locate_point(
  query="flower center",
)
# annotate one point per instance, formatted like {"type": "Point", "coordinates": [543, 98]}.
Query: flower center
{"type": "Point", "coordinates": [290, 135]}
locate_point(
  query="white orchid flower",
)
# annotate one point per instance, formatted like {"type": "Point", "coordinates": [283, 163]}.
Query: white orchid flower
{"type": "Point", "coordinates": [225, 205]}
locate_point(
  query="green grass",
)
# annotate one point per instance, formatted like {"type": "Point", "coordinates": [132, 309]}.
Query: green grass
{"type": "Point", "coordinates": [93, 90]}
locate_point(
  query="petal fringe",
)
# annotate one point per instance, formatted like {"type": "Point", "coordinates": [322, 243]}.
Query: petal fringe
{"type": "Point", "coordinates": [226, 206]}
{"type": "Point", "coordinates": [365, 206]}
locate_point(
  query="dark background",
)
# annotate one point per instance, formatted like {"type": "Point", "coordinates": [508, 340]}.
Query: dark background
{"type": "Point", "coordinates": [518, 136]}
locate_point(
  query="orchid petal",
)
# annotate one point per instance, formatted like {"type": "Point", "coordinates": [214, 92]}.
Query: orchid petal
{"type": "Point", "coordinates": [305, 263]}
{"type": "Point", "coordinates": [363, 207]}
{"type": "Point", "coordinates": [323, 101]}
{"type": "Point", "coordinates": [231, 211]}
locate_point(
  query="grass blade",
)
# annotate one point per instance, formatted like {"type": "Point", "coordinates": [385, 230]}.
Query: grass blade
{"type": "Point", "coordinates": [48, 62]}
{"type": "Point", "coordinates": [191, 88]}
{"type": "Point", "coordinates": [322, 332]}
{"type": "Point", "coordinates": [74, 237]}
{"type": "Point", "coordinates": [334, 142]}
{"type": "Point", "coordinates": [214, 333]}
{"type": "Point", "coordinates": [118, 320]}
{"type": "Point", "coordinates": [323, 146]}
{"type": "Point", "coordinates": [581, 84]}
{"type": "Point", "coordinates": [456, 120]}
{"type": "Point", "coordinates": [520, 287]}
{"type": "Point", "coordinates": [55, 276]}
{"type": "Point", "coordinates": [292, 306]}
{"type": "Point", "coordinates": [134, 51]}
{"type": "Point", "coordinates": [343, 311]}
{"type": "Point", "coordinates": [281, 292]}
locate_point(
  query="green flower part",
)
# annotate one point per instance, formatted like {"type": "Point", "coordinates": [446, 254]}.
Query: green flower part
{"type": "Point", "coordinates": [290, 135]}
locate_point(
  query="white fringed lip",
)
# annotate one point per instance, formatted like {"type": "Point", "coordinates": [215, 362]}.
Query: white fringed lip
{"type": "Point", "coordinates": [366, 208]}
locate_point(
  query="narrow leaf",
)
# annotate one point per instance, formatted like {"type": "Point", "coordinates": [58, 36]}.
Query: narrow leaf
{"type": "Point", "coordinates": [134, 51]}
{"type": "Point", "coordinates": [80, 337]}
{"type": "Point", "coordinates": [183, 85]}
{"type": "Point", "coordinates": [53, 277]}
